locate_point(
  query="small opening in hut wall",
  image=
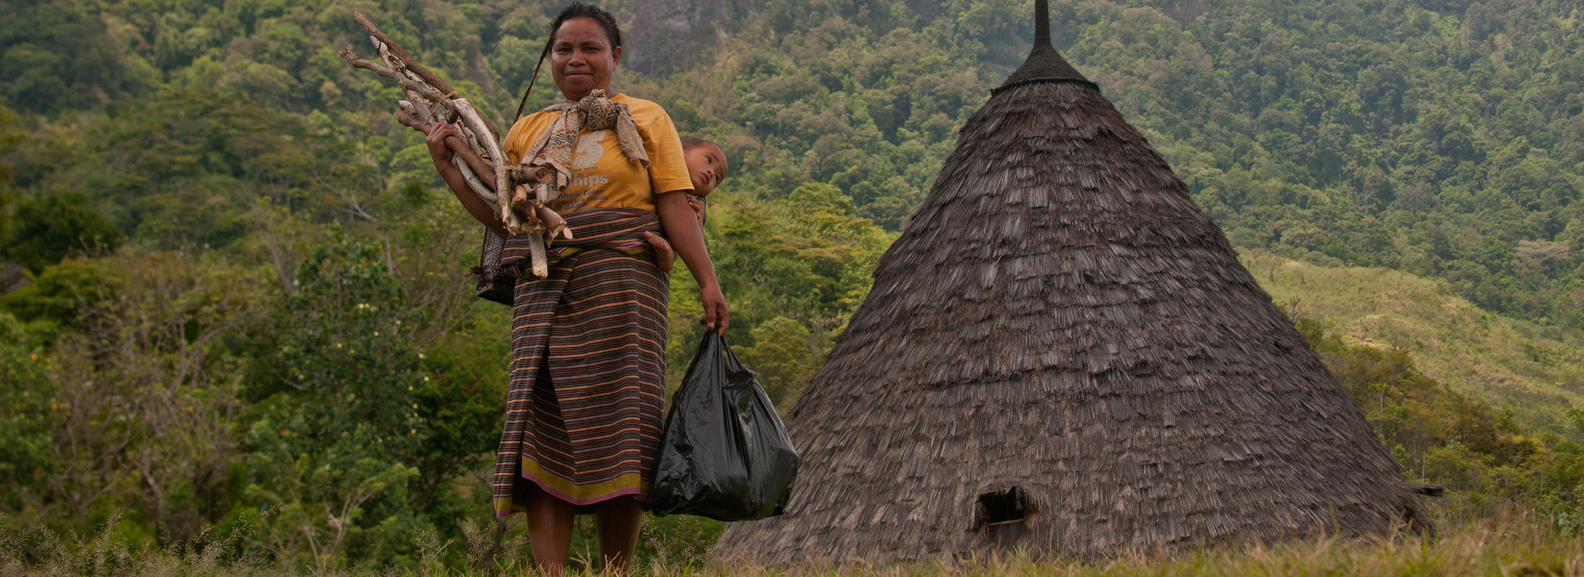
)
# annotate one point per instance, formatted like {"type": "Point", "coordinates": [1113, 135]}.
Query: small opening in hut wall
{"type": "Point", "coordinates": [1003, 507]}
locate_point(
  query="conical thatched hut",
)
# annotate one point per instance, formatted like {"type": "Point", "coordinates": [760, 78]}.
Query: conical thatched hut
{"type": "Point", "coordinates": [1062, 354]}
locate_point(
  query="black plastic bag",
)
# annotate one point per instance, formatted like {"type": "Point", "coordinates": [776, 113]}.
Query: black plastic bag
{"type": "Point", "coordinates": [725, 454]}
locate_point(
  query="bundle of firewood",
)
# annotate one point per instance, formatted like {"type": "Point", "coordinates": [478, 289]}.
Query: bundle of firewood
{"type": "Point", "coordinates": [476, 148]}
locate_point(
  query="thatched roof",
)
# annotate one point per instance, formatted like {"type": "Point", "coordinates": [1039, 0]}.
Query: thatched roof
{"type": "Point", "coordinates": [1063, 354]}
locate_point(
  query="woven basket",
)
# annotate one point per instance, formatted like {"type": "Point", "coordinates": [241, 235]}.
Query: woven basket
{"type": "Point", "coordinates": [492, 285]}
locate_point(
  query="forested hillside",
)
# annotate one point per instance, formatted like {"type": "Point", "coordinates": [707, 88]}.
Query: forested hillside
{"type": "Point", "coordinates": [231, 284]}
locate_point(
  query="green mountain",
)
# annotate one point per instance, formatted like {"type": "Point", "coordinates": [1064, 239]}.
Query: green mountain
{"type": "Point", "coordinates": [1439, 138]}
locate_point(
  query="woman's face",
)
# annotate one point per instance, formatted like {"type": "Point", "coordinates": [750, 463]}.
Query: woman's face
{"type": "Point", "coordinates": [582, 58]}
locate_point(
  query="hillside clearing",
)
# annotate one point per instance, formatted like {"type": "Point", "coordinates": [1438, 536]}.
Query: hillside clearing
{"type": "Point", "coordinates": [1507, 362]}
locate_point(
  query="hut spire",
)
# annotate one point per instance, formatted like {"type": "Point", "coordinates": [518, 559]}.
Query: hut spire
{"type": "Point", "coordinates": [1041, 24]}
{"type": "Point", "coordinates": [1044, 63]}
{"type": "Point", "coordinates": [1062, 355]}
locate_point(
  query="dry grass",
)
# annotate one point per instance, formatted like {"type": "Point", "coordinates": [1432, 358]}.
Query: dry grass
{"type": "Point", "coordinates": [1504, 543]}
{"type": "Point", "coordinates": [1521, 544]}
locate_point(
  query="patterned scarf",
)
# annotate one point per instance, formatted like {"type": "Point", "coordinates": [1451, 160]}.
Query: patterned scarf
{"type": "Point", "coordinates": [555, 149]}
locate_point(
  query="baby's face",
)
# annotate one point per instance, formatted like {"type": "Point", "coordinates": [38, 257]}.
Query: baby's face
{"type": "Point", "coordinates": [706, 166]}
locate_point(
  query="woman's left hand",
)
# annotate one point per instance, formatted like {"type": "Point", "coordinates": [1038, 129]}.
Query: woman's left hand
{"type": "Point", "coordinates": [715, 313]}
{"type": "Point", "coordinates": [687, 239]}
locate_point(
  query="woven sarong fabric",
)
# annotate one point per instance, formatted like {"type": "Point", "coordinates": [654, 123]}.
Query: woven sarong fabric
{"type": "Point", "coordinates": [598, 324]}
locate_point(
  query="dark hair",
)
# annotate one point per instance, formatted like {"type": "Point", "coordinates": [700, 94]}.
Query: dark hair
{"type": "Point", "coordinates": [691, 143]}
{"type": "Point", "coordinates": [595, 13]}
{"type": "Point", "coordinates": [574, 10]}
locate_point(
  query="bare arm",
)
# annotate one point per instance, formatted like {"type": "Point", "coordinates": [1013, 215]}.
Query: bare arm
{"type": "Point", "coordinates": [682, 228]}
{"type": "Point", "coordinates": [441, 154]}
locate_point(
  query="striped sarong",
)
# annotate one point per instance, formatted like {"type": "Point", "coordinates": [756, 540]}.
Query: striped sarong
{"type": "Point", "coordinates": [597, 325]}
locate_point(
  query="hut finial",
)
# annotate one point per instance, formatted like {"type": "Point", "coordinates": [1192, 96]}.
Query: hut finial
{"type": "Point", "coordinates": [1041, 23]}
{"type": "Point", "coordinates": [1044, 64]}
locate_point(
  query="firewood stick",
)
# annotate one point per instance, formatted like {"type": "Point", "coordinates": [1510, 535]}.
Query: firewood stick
{"type": "Point", "coordinates": [465, 159]}
{"type": "Point", "coordinates": [441, 90]}
{"type": "Point", "coordinates": [478, 186]}
{"type": "Point", "coordinates": [544, 191]}
{"type": "Point", "coordinates": [541, 261]}
{"type": "Point", "coordinates": [407, 59]}
{"type": "Point", "coordinates": [476, 163]}
{"type": "Point", "coordinates": [466, 145]}
{"type": "Point", "coordinates": [554, 224]}
{"type": "Point", "coordinates": [503, 200]}
{"type": "Point", "coordinates": [432, 99]}
{"type": "Point", "coordinates": [406, 83]}
{"type": "Point", "coordinates": [531, 222]}
{"type": "Point", "coordinates": [478, 166]}
{"type": "Point", "coordinates": [416, 109]}
{"type": "Point", "coordinates": [415, 106]}
{"type": "Point", "coordinates": [470, 164]}
{"type": "Point", "coordinates": [472, 141]}
{"type": "Point", "coordinates": [414, 101]}
{"type": "Point", "coordinates": [397, 64]}
{"type": "Point", "coordinates": [519, 197]}
{"type": "Point", "coordinates": [471, 117]}
{"type": "Point", "coordinates": [449, 108]}
{"type": "Point", "coordinates": [431, 78]}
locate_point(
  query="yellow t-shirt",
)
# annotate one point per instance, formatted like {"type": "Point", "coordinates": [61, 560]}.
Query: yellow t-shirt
{"type": "Point", "coordinates": [603, 177]}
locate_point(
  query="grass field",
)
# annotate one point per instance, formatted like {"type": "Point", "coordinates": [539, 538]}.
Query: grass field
{"type": "Point", "coordinates": [1506, 362]}
{"type": "Point", "coordinates": [1473, 540]}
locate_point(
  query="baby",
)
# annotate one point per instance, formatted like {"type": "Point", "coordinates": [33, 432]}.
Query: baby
{"type": "Point", "coordinates": [706, 166]}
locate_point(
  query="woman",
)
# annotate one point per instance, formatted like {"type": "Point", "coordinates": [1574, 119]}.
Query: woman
{"type": "Point", "coordinates": [587, 373]}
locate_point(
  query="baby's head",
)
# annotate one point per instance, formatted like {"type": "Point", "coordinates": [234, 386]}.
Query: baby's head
{"type": "Point", "coordinates": [706, 164]}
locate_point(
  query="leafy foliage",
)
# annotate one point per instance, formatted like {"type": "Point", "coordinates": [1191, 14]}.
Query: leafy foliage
{"type": "Point", "coordinates": [25, 414]}
{"type": "Point", "coordinates": [1440, 139]}
{"type": "Point", "coordinates": [340, 442]}
{"type": "Point", "coordinates": [63, 55]}
{"type": "Point", "coordinates": [62, 294]}
{"type": "Point", "coordinates": [56, 226]}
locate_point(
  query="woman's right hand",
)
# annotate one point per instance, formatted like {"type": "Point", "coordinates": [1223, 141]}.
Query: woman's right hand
{"type": "Point", "coordinates": [482, 211]}
{"type": "Point", "coordinates": [437, 146]}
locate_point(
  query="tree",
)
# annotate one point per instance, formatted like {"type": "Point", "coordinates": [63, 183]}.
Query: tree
{"type": "Point", "coordinates": [335, 452]}
{"type": "Point", "coordinates": [26, 417]}
{"type": "Point", "coordinates": [54, 226]}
